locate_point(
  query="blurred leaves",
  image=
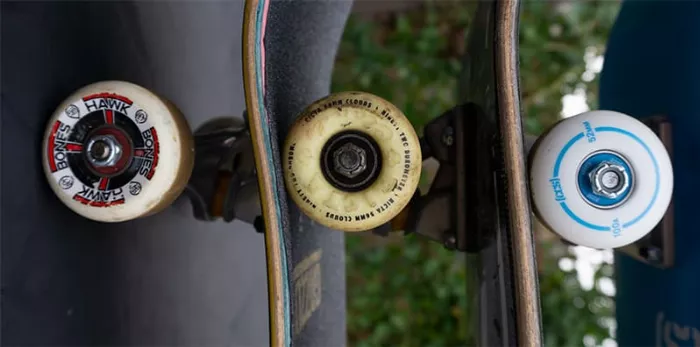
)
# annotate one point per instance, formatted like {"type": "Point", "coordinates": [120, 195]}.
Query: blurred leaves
{"type": "Point", "coordinates": [412, 292]}
{"type": "Point", "coordinates": [555, 38]}
{"type": "Point", "coordinates": [569, 311]}
{"type": "Point", "coordinates": [408, 293]}
{"type": "Point", "coordinates": [410, 59]}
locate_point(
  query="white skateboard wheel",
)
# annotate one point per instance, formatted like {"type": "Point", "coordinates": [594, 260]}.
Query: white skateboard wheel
{"type": "Point", "coordinates": [600, 179]}
{"type": "Point", "coordinates": [352, 161]}
{"type": "Point", "coordinates": [114, 151]}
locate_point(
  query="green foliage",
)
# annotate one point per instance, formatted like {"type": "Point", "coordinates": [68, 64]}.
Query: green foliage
{"type": "Point", "coordinates": [409, 293]}
{"type": "Point", "coordinates": [570, 312]}
{"type": "Point", "coordinates": [410, 59]}
{"type": "Point", "coordinates": [554, 39]}
{"type": "Point", "coordinates": [412, 292]}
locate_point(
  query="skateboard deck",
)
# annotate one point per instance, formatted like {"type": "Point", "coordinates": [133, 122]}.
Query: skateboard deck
{"type": "Point", "coordinates": [600, 179]}
{"type": "Point", "coordinates": [507, 283]}
{"type": "Point", "coordinates": [650, 71]}
{"type": "Point", "coordinates": [167, 279]}
{"type": "Point", "coordinates": [305, 260]}
{"type": "Point", "coordinates": [266, 151]}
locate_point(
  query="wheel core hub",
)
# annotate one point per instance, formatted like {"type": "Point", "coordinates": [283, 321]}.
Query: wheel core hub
{"type": "Point", "coordinates": [108, 151]}
{"type": "Point", "coordinates": [605, 179]}
{"type": "Point", "coordinates": [351, 160]}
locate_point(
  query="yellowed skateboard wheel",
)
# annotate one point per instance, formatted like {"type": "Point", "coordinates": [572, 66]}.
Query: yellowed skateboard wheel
{"type": "Point", "coordinates": [352, 161]}
{"type": "Point", "coordinates": [114, 151]}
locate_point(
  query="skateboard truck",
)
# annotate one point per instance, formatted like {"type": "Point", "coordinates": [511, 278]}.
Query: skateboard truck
{"type": "Point", "coordinates": [223, 180]}
{"type": "Point", "coordinates": [657, 248]}
{"type": "Point", "coordinates": [455, 206]}
{"type": "Point", "coordinates": [223, 184]}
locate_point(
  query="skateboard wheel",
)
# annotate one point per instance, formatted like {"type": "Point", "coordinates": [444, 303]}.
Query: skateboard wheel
{"type": "Point", "coordinates": [114, 151]}
{"type": "Point", "coordinates": [352, 161]}
{"type": "Point", "coordinates": [600, 179]}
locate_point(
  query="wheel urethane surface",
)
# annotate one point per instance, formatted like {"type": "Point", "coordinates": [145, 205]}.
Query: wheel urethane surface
{"type": "Point", "coordinates": [573, 162]}
{"type": "Point", "coordinates": [114, 151]}
{"type": "Point", "coordinates": [352, 161]}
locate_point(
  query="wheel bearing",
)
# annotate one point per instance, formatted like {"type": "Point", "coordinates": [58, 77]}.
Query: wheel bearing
{"type": "Point", "coordinates": [351, 161]}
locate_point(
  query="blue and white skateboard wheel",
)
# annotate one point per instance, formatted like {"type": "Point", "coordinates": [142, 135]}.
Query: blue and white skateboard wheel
{"type": "Point", "coordinates": [600, 179]}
